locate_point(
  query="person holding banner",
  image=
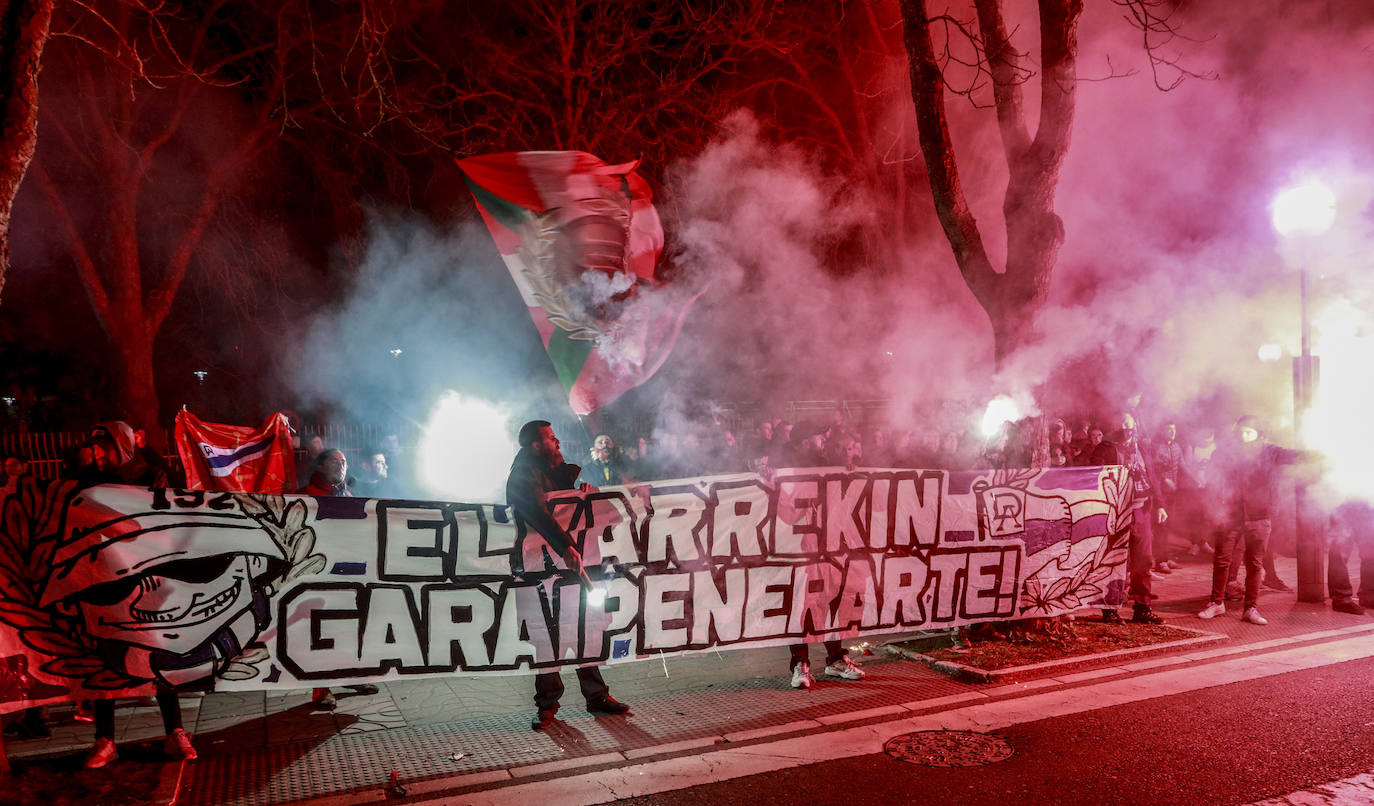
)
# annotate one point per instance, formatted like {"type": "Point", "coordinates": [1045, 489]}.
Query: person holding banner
{"type": "Point", "coordinates": [1126, 450]}
{"type": "Point", "coordinates": [329, 477]}
{"type": "Point", "coordinates": [115, 460]}
{"type": "Point", "coordinates": [328, 474]}
{"type": "Point", "coordinates": [838, 664]}
{"type": "Point", "coordinates": [537, 471]}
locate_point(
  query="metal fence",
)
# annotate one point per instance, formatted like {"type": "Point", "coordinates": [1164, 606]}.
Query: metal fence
{"type": "Point", "coordinates": [49, 452]}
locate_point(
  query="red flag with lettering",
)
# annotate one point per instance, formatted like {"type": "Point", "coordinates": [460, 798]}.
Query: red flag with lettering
{"type": "Point", "coordinates": [236, 458]}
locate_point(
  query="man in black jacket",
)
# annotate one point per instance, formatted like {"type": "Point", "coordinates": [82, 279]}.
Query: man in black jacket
{"type": "Point", "coordinates": [537, 471]}
{"type": "Point", "coordinates": [1249, 471]}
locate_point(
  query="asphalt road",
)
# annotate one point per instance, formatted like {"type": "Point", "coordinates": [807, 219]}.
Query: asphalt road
{"type": "Point", "coordinates": [1230, 744]}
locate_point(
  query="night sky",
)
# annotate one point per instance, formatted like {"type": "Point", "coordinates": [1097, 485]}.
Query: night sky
{"type": "Point", "coordinates": [344, 238]}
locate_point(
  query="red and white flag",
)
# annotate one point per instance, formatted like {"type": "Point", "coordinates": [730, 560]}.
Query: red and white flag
{"type": "Point", "coordinates": [581, 239]}
{"type": "Point", "coordinates": [236, 458]}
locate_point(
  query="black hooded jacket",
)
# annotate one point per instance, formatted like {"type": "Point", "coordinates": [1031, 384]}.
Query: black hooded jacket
{"type": "Point", "coordinates": [132, 469]}
{"type": "Point", "coordinates": [530, 481]}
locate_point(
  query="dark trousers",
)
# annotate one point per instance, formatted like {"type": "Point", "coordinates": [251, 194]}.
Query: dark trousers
{"type": "Point", "coordinates": [1237, 560]}
{"type": "Point", "coordinates": [1159, 542]}
{"type": "Point", "coordinates": [1141, 557]}
{"type": "Point", "coordinates": [167, 702]}
{"type": "Point", "coordinates": [548, 687]}
{"type": "Point", "coordinates": [1193, 517]}
{"type": "Point", "coordinates": [833, 652]}
{"type": "Point", "coordinates": [1254, 536]}
{"type": "Point", "coordinates": [1338, 574]}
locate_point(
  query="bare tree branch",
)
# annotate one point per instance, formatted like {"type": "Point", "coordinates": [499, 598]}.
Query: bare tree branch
{"type": "Point", "coordinates": [1154, 19]}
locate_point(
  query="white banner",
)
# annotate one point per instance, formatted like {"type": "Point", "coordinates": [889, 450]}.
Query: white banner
{"type": "Point", "coordinates": [106, 589]}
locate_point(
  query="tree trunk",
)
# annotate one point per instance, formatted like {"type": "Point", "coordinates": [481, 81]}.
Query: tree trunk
{"type": "Point", "coordinates": [138, 401]}
{"type": "Point", "coordinates": [24, 26]}
{"type": "Point", "coordinates": [1014, 326]}
{"type": "Point", "coordinates": [1014, 298]}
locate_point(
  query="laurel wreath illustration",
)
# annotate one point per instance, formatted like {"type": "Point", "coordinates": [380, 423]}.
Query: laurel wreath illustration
{"type": "Point", "coordinates": [29, 526]}
{"type": "Point", "coordinates": [30, 521]}
{"type": "Point", "coordinates": [550, 286]}
{"type": "Point", "coordinates": [286, 524]}
{"type": "Point", "coordinates": [1084, 584]}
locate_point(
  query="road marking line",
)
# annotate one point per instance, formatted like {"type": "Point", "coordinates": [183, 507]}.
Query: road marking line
{"type": "Point", "coordinates": [1357, 790]}
{"type": "Point", "coordinates": [648, 778]}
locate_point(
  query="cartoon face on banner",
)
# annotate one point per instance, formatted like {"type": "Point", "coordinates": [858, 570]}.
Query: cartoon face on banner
{"type": "Point", "coordinates": [175, 606]}
{"type": "Point", "coordinates": [174, 591]}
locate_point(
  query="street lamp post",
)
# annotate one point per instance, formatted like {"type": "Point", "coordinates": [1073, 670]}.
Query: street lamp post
{"type": "Point", "coordinates": [1305, 212]}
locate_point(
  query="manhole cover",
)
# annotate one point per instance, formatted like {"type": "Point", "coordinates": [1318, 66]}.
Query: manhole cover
{"type": "Point", "coordinates": [948, 748]}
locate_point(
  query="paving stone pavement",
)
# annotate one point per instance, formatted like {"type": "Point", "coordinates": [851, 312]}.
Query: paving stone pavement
{"type": "Point", "coordinates": [261, 748]}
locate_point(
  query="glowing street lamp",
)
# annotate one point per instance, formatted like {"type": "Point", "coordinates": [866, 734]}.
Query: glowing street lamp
{"type": "Point", "coordinates": [1303, 213]}
{"type": "Point", "coordinates": [1308, 209]}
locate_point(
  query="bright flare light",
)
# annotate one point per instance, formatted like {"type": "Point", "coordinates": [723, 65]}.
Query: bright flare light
{"type": "Point", "coordinates": [466, 450]}
{"type": "Point", "coordinates": [1308, 209]}
{"type": "Point", "coordinates": [1270, 353]}
{"type": "Point", "coordinates": [1339, 424]}
{"type": "Point", "coordinates": [1000, 409]}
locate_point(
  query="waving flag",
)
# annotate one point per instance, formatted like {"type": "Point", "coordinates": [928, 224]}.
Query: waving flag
{"type": "Point", "coordinates": [581, 240]}
{"type": "Point", "coordinates": [234, 457]}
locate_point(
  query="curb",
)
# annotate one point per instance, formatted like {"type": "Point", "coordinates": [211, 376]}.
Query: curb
{"type": "Point", "coordinates": [462, 787]}
{"type": "Point", "coordinates": [973, 674]}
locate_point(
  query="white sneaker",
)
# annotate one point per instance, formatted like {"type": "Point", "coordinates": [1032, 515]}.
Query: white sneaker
{"type": "Point", "coordinates": [1252, 615]}
{"type": "Point", "coordinates": [845, 669]}
{"type": "Point", "coordinates": [1174, 564]}
{"type": "Point", "coordinates": [1213, 610]}
{"type": "Point", "coordinates": [801, 675]}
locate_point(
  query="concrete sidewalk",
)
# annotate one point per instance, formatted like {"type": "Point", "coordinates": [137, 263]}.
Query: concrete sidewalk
{"type": "Point", "coordinates": [455, 735]}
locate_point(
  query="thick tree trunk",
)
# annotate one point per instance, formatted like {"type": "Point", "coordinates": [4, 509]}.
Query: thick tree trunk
{"type": "Point", "coordinates": [1013, 298]}
{"type": "Point", "coordinates": [1014, 326]}
{"type": "Point", "coordinates": [24, 26]}
{"type": "Point", "coordinates": [138, 401]}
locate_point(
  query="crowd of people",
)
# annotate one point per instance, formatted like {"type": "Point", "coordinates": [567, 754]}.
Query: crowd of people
{"type": "Point", "coordinates": [1217, 497]}
{"type": "Point", "coordinates": [1200, 495]}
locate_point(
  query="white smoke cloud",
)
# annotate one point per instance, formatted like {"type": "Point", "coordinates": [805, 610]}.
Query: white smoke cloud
{"type": "Point", "coordinates": [1170, 279]}
{"type": "Point", "coordinates": [445, 301]}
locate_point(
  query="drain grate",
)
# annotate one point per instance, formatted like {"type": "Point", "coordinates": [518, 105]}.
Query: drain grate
{"type": "Point", "coordinates": [948, 748]}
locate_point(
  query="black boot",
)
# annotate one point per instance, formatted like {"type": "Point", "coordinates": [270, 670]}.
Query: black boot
{"type": "Point", "coordinates": [1144, 615]}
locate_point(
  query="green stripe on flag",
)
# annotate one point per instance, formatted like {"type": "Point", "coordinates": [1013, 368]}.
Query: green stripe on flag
{"type": "Point", "coordinates": [510, 214]}
{"type": "Point", "coordinates": [568, 356]}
